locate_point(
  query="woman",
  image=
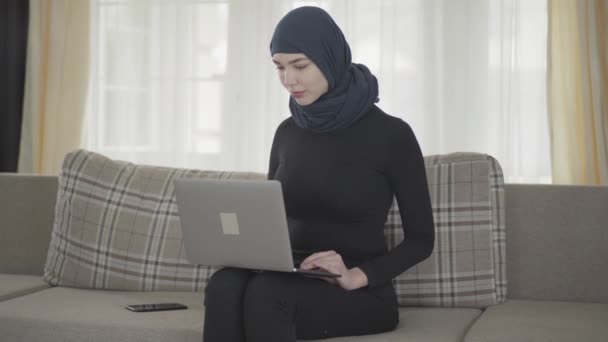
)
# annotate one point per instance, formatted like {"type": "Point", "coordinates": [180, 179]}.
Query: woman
{"type": "Point", "coordinates": [340, 161]}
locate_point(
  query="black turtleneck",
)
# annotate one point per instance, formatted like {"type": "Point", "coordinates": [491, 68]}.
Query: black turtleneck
{"type": "Point", "coordinates": [339, 186]}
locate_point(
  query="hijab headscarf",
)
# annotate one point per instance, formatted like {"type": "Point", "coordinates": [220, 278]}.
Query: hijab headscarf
{"type": "Point", "coordinates": [353, 89]}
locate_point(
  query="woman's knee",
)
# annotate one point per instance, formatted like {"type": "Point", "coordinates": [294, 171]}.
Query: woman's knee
{"type": "Point", "coordinates": [269, 313]}
{"type": "Point", "coordinates": [267, 290]}
{"type": "Point", "coordinates": [227, 283]}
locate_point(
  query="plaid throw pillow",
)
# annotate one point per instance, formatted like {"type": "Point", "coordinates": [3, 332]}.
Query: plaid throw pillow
{"type": "Point", "coordinates": [116, 227]}
{"type": "Point", "coordinates": [468, 265]}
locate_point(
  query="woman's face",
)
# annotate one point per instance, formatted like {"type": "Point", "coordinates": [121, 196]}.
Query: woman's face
{"type": "Point", "coordinates": [301, 77]}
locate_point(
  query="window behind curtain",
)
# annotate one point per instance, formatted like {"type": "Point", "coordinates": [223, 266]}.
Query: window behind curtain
{"type": "Point", "coordinates": [190, 83]}
{"type": "Point", "coordinates": [158, 80]}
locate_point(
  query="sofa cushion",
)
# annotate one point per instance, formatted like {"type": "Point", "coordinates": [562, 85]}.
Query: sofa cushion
{"type": "Point", "coordinates": [116, 227]}
{"type": "Point", "coordinates": [468, 265]}
{"type": "Point", "coordinates": [539, 321]}
{"type": "Point", "coordinates": [557, 242]}
{"type": "Point", "coordinates": [422, 325]}
{"type": "Point", "coordinates": [15, 285]}
{"type": "Point", "coordinates": [24, 237]}
{"type": "Point", "coordinates": [68, 314]}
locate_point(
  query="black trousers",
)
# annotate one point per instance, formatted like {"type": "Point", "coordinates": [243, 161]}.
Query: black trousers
{"type": "Point", "coordinates": [245, 305]}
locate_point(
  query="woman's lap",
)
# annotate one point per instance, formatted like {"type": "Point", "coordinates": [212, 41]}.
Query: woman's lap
{"type": "Point", "coordinates": [318, 309]}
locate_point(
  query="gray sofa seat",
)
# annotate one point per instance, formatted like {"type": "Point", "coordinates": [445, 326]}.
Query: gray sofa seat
{"type": "Point", "coordinates": [541, 321]}
{"type": "Point", "coordinates": [16, 285]}
{"type": "Point", "coordinates": [68, 314]}
{"type": "Point", "coordinates": [74, 315]}
{"type": "Point", "coordinates": [424, 325]}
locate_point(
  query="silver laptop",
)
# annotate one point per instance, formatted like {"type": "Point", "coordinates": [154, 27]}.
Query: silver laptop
{"type": "Point", "coordinates": [236, 223]}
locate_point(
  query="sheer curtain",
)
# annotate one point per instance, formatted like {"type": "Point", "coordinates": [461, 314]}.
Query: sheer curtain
{"type": "Point", "coordinates": [191, 84]}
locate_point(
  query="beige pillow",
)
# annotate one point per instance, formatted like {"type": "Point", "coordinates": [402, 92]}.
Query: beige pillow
{"type": "Point", "coordinates": [116, 227]}
{"type": "Point", "coordinates": [468, 265]}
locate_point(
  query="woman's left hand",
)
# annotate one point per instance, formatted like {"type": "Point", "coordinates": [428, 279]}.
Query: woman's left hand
{"type": "Point", "coordinates": [351, 279]}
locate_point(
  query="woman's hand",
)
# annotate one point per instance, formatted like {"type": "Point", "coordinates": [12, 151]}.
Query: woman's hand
{"type": "Point", "coordinates": [332, 262]}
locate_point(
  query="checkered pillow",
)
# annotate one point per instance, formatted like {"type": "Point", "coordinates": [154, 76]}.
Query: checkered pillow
{"type": "Point", "coordinates": [116, 227]}
{"type": "Point", "coordinates": [468, 264]}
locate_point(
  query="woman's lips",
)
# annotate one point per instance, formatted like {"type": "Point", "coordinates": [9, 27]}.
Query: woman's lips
{"type": "Point", "coordinates": [298, 94]}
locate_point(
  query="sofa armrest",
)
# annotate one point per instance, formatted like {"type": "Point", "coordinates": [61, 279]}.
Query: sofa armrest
{"type": "Point", "coordinates": [557, 242]}
{"type": "Point", "coordinates": [27, 206]}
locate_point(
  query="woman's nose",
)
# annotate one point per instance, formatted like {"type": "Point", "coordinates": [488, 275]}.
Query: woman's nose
{"type": "Point", "coordinates": [289, 78]}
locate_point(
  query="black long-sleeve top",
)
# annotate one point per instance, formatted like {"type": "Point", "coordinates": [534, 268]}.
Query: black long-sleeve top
{"type": "Point", "coordinates": [338, 188]}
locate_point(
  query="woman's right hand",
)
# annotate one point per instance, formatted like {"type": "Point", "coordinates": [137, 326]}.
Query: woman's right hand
{"type": "Point", "coordinates": [350, 279]}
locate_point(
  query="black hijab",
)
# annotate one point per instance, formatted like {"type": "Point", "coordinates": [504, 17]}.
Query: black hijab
{"type": "Point", "coordinates": [353, 89]}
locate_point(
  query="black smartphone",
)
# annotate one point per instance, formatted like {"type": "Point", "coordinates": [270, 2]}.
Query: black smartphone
{"type": "Point", "coordinates": [155, 307]}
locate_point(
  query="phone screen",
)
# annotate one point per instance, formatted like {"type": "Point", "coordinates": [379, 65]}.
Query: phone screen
{"type": "Point", "coordinates": [156, 307]}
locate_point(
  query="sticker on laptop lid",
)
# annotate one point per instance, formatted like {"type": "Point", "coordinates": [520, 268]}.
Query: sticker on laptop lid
{"type": "Point", "coordinates": [230, 223]}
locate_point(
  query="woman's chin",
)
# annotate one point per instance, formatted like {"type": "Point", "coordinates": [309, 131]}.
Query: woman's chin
{"type": "Point", "coordinates": [302, 101]}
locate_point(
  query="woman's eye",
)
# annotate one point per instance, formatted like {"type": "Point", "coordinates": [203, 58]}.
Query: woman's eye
{"type": "Point", "coordinates": [279, 67]}
{"type": "Point", "coordinates": [300, 67]}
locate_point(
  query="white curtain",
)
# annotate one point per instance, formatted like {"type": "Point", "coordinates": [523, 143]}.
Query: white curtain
{"type": "Point", "coordinates": [190, 83]}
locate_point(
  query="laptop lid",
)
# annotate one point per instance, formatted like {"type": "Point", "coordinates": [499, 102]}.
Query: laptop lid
{"type": "Point", "coordinates": [236, 223]}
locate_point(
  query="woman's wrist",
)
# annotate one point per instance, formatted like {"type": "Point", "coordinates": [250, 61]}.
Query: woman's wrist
{"type": "Point", "coordinates": [358, 278]}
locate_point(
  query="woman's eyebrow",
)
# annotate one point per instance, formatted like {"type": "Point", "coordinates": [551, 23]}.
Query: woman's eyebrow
{"type": "Point", "coordinates": [292, 62]}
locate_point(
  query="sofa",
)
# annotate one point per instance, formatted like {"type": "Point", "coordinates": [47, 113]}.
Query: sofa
{"type": "Point", "coordinates": [556, 262]}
